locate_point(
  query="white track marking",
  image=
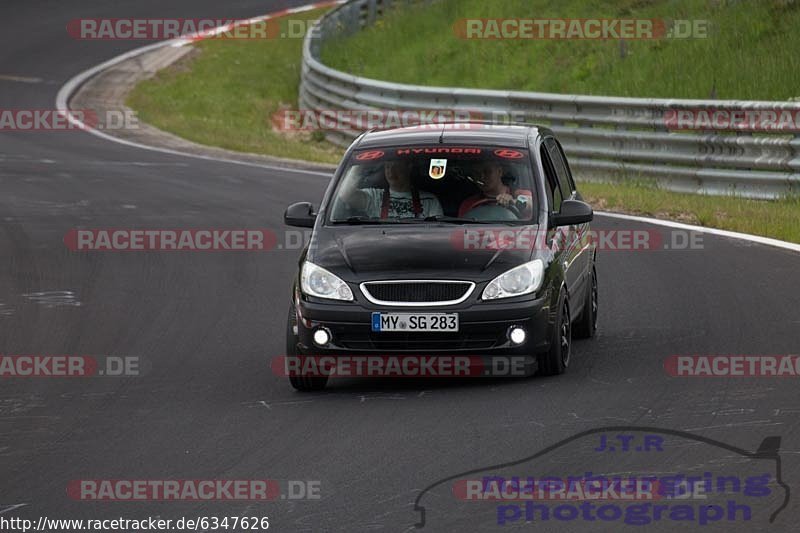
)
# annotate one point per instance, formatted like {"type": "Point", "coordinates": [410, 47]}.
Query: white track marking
{"type": "Point", "coordinates": [20, 79]}
{"type": "Point", "coordinates": [12, 507]}
{"type": "Point", "coordinates": [712, 231]}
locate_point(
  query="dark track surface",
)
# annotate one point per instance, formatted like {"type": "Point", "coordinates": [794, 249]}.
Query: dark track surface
{"type": "Point", "coordinates": [207, 323]}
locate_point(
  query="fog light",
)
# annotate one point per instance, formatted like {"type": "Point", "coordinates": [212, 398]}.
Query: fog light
{"type": "Point", "coordinates": [322, 337]}
{"type": "Point", "coordinates": [517, 335]}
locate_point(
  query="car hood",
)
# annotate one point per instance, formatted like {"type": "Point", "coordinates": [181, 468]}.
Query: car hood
{"type": "Point", "coordinates": [359, 253]}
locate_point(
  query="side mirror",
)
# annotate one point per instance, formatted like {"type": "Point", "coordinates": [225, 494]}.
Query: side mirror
{"type": "Point", "coordinates": [572, 212]}
{"type": "Point", "coordinates": [300, 214]}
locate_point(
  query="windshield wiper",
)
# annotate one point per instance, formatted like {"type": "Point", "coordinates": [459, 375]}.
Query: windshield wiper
{"type": "Point", "coordinates": [455, 220]}
{"type": "Point", "coordinates": [360, 220]}
{"type": "Point", "coordinates": [357, 221]}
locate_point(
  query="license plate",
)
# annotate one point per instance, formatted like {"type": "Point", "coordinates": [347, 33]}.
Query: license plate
{"type": "Point", "coordinates": [414, 321]}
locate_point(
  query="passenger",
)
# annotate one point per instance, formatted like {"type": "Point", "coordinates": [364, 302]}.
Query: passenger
{"type": "Point", "coordinates": [398, 199]}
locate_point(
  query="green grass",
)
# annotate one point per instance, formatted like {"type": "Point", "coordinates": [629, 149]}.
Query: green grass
{"type": "Point", "coordinates": [779, 219]}
{"type": "Point", "coordinates": [751, 52]}
{"type": "Point", "coordinates": [225, 96]}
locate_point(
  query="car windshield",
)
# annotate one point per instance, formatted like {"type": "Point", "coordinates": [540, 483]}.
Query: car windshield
{"type": "Point", "coordinates": [425, 184]}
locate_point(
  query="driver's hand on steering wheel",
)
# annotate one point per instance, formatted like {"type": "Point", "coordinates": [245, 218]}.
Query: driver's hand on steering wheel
{"type": "Point", "coordinates": [504, 199]}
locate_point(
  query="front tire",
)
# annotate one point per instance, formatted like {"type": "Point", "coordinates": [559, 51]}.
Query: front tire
{"type": "Point", "coordinates": [301, 383]}
{"type": "Point", "coordinates": [556, 360]}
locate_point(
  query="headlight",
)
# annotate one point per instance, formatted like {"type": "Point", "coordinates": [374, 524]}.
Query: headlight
{"type": "Point", "coordinates": [520, 280]}
{"type": "Point", "coordinates": [316, 281]}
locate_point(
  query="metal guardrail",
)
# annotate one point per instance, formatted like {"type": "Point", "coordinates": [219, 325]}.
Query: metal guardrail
{"type": "Point", "coordinates": [602, 136]}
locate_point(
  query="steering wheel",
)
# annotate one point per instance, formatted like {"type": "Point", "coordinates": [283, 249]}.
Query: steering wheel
{"type": "Point", "coordinates": [493, 201]}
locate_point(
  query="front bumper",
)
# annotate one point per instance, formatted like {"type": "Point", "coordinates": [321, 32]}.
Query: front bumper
{"type": "Point", "coordinates": [483, 329]}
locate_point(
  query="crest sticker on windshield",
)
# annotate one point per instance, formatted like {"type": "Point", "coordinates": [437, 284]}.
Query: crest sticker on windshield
{"type": "Point", "coordinates": [437, 168]}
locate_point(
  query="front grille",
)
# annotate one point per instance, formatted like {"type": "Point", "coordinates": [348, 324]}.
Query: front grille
{"type": "Point", "coordinates": [417, 292]}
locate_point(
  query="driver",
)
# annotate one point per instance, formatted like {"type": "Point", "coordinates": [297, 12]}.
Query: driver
{"type": "Point", "coordinates": [398, 199]}
{"type": "Point", "coordinates": [490, 181]}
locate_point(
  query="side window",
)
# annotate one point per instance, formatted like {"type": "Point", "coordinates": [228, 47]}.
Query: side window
{"type": "Point", "coordinates": [551, 181]}
{"type": "Point", "coordinates": [560, 165]}
{"type": "Point", "coordinates": [566, 165]}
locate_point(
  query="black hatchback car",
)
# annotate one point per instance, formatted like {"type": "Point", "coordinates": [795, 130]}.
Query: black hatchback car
{"type": "Point", "coordinates": [463, 239]}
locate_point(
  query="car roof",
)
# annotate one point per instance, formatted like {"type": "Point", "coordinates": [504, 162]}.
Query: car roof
{"type": "Point", "coordinates": [452, 133]}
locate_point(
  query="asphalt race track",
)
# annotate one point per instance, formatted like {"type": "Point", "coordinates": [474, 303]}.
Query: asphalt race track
{"type": "Point", "coordinates": [207, 324]}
